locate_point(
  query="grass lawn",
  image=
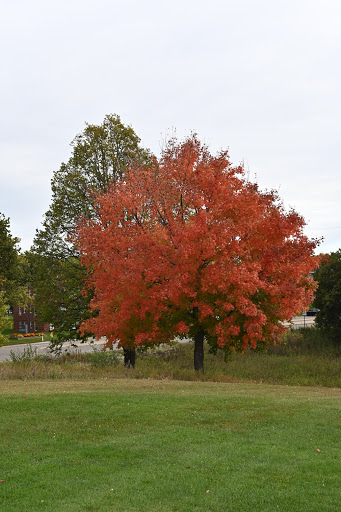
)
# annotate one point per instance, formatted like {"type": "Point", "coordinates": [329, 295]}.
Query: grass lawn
{"type": "Point", "coordinates": [24, 341]}
{"type": "Point", "coordinates": [161, 445]}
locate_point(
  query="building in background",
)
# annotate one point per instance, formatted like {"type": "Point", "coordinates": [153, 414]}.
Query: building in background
{"type": "Point", "coordinates": [25, 319]}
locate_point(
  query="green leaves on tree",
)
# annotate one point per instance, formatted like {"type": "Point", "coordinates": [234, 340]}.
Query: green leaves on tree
{"type": "Point", "coordinates": [101, 155]}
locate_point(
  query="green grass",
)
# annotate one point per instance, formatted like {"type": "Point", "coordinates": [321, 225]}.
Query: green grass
{"type": "Point", "coordinates": [23, 341]}
{"type": "Point", "coordinates": [145, 445]}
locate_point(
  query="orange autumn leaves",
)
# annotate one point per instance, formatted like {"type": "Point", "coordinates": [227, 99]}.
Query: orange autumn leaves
{"type": "Point", "coordinates": [187, 243]}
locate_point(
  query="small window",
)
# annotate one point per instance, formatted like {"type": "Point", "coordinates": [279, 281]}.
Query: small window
{"type": "Point", "coordinates": [22, 327]}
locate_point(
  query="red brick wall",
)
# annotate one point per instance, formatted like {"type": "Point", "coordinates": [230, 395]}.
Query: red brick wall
{"type": "Point", "coordinates": [22, 316]}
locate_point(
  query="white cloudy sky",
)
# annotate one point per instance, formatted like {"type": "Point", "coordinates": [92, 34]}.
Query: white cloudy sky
{"type": "Point", "coordinates": [262, 77]}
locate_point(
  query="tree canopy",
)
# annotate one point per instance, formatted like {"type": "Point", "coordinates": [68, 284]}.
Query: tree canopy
{"type": "Point", "coordinates": [100, 157]}
{"type": "Point", "coordinates": [8, 258]}
{"type": "Point", "coordinates": [12, 276]}
{"type": "Point", "coordinates": [187, 246]}
{"type": "Point", "coordinates": [328, 293]}
{"type": "Point", "coordinates": [4, 320]}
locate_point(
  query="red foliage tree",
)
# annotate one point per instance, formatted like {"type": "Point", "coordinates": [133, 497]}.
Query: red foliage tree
{"type": "Point", "coordinates": [187, 246]}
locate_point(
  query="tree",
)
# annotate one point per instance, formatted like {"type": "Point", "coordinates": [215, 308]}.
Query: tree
{"type": "Point", "coordinates": [57, 283]}
{"type": "Point", "coordinates": [100, 157]}
{"type": "Point", "coordinates": [4, 320]}
{"type": "Point", "coordinates": [187, 246]}
{"type": "Point", "coordinates": [328, 293]}
{"type": "Point", "coordinates": [8, 259]}
{"type": "Point", "coordinates": [12, 278]}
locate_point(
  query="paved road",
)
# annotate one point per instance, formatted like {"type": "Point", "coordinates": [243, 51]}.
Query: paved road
{"type": "Point", "coordinates": [301, 321]}
{"type": "Point", "coordinates": [42, 348]}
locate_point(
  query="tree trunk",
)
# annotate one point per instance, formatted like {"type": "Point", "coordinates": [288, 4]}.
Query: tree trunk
{"type": "Point", "coordinates": [199, 350]}
{"type": "Point", "coordinates": [129, 357]}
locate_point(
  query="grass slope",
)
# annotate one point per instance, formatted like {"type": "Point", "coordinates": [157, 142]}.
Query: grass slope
{"type": "Point", "coordinates": [145, 445]}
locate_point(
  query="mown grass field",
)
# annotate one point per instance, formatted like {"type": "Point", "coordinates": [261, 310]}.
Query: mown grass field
{"type": "Point", "coordinates": [147, 445]}
{"type": "Point", "coordinates": [255, 433]}
{"type": "Point", "coordinates": [23, 340]}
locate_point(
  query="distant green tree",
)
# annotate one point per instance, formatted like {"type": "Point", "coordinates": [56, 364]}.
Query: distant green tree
{"type": "Point", "coordinates": [100, 157]}
{"type": "Point", "coordinates": [8, 258]}
{"type": "Point", "coordinates": [4, 320]}
{"type": "Point", "coordinates": [12, 275]}
{"type": "Point", "coordinates": [12, 278]}
{"type": "Point", "coordinates": [58, 297]}
{"type": "Point", "coordinates": [328, 293]}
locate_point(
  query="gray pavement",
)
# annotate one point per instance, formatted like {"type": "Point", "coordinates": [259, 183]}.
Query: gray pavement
{"type": "Point", "coordinates": [42, 348]}
{"type": "Point", "coordinates": [301, 321]}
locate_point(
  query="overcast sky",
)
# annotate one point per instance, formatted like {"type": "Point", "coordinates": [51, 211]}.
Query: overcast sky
{"type": "Point", "coordinates": [261, 77]}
